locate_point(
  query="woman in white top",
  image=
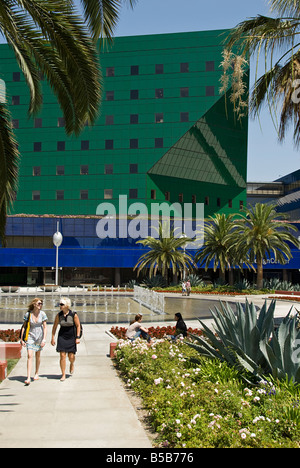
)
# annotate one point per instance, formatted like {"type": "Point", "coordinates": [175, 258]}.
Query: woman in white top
{"type": "Point", "coordinates": [34, 334]}
{"type": "Point", "coordinates": [135, 330]}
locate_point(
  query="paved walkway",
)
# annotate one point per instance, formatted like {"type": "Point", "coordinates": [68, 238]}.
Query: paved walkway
{"type": "Point", "coordinates": [89, 409]}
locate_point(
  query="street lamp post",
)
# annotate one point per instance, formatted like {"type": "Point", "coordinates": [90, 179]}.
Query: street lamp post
{"type": "Point", "coordinates": [57, 241]}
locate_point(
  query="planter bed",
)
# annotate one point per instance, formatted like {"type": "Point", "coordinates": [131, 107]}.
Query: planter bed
{"type": "Point", "coordinates": [10, 350]}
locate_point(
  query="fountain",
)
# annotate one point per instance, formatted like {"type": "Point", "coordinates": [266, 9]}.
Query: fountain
{"type": "Point", "coordinates": [106, 306]}
{"type": "Point", "coordinates": [150, 299]}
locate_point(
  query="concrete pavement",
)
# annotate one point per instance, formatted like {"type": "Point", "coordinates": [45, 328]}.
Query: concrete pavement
{"type": "Point", "coordinates": [91, 409]}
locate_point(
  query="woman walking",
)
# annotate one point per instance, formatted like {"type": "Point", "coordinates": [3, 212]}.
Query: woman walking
{"type": "Point", "coordinates": [33, 336]}
{"type": "Point", "coordinates": [68, 336]}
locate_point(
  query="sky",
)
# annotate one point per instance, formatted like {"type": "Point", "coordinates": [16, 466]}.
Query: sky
{"type": "Point", "coordinates": [267, 158]}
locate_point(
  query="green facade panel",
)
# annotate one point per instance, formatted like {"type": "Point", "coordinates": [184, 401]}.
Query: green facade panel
{"type": "Point", "coordinates": [162, 132]}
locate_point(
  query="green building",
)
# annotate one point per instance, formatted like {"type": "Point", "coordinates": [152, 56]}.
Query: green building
{"type": "Point", "coordinates": [163, 133]}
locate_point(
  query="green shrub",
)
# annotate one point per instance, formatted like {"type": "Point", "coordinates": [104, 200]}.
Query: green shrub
{"type": "Point", "coordinates": [203, 402]}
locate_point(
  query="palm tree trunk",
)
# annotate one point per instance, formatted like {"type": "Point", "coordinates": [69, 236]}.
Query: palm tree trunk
{"type": "Point", "coordinates": [260, 273]}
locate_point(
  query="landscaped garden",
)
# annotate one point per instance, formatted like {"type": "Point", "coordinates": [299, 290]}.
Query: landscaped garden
{"type": "Point", "coordinates": [237, 388]}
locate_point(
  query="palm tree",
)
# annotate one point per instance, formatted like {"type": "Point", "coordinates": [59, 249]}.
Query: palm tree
{"type": "Point", "coordinates": [49, 37]}
{"type": "Point", "coordinates": [262, 232]}
{"type": "Point", "coordinates": [166, 251]}
{"type": "Point", "coordinates": [218, 232]}
{"type": "Point", "coordinates": [278, 38]}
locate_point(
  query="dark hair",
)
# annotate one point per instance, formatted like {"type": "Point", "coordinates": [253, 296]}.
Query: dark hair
{"type": "Point", "coordinates": [179, 316]}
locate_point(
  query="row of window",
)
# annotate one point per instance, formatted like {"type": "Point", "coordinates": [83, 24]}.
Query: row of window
{"type": "Point", "coordinates": [135, 95]}
{"type": "Point", "coordinates": [108, 144]}
{"type": "Point", "coordinates": [184, 67]}
{"type": "Point", "coordinates": [133, 195]}
{"type": "Point", "coordinates": [109, 120]}
{"type": "Point", "coordinates": [84, 170]}
{"type": "Point", "coordinates": [184, 92]}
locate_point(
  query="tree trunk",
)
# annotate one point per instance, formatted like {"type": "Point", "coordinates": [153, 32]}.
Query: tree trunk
{"type": "Point", "coordinates": [260, 273]}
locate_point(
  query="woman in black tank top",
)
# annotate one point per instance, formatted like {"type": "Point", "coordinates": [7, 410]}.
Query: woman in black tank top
{"type": "Point", "coordinates": [68, 336]}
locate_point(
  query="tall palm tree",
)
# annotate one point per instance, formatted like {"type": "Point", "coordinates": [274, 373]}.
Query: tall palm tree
{"type": "Point", "coordinates": [278, 38]}
{"type": "Point", "coordinates": [51, 38]}
{"type": "Point", "coordinates": [166, 251]}
{"type": "Point", "coordinates": [262, 232]}
{"type": "Point", "coordinates": [218, 231]}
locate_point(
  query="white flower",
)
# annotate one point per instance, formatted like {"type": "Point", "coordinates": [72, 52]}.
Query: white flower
{"type": "Point", "coordinates": [177, 421]}
{"type": "Point", "coordinates": [243, 435]}
{"type": "Point", "coordinates": [256, 399]}
{"type": "Point", "coordinates": [179, 435]}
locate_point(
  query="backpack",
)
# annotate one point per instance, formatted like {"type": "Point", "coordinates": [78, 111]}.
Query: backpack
{"type": "Point", "coordinates": [25, 329]}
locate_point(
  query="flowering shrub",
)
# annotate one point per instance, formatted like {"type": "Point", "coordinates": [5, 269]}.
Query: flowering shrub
{"type": "Point", "coordinates": [154, 332]}
{"type": "Point", "coordinates": [12, 336]}
{"type": "Point", "coordinates": [205, 403]}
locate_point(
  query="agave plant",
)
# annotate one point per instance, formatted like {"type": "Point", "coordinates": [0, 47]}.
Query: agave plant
{"type": "Point", "coordinates": [249, 339]}
{"type": "Point", "coordinates": [238, 335]}
{"type": "Point", "coordinates": [281, 353]}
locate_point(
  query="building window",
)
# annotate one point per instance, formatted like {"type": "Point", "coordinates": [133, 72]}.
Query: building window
{"type": "Point", "coordinates": [206, 201]}
{"type": "Point", "coordinates": [60, 195]}
{"type": "Point", "coordinates": [184, 67]}
{"type": "Point", "coordinates": [16, 76]}
{"type": "Point", "coordinates": [108, 169]}
{"type": "Point", "coordinates": [38, 123]}
{"type": "Point", "coordinates": [184, 92]}
{"type": "Point", "coordinates": [110, 95]}
{"type": "Point", "coordinates": [61, 146]}
{"type": "Point", "coordinates": [15, 100]}
{"type": "Point", "coordinates": [36, 195]}
{"type": "Point", "coordinates": [85, 145]}
{"type": "Point", "coordinates": [60, 170]}
{"type": "Point", "coordinates": [153, 194]}
{"type": "Point", "coordinates": [219, 202]}
{"type": "Point", "coordinates": [108, 194]}
{"type": "Point", "coordinates": [84, 169]}
{"type": "Point", "coordinates": [134, 118]}
{"type": "Point", "coordinates": [36, 171]}
{"type": "Point", "coordinates": [210, 66]}
{"type": "Point", "coordinates": [134, 94]}
{"type": "Point", "coordinates": [159, 93]}
{"type": "Point", "coordinates": [180, 198]}
{"type": "Point", "coordinates": [37, 146]}
{"type": "Point", "coordinates": [159, 118]}
{"type": "Point", "coordinates": [110, 71]}
{"type": "Point", "coordinates": [133, 193]}
{"type": "Point", "coordinates": [134, 143]}
{"type": "Point", "coordinates": [210, 91]}
{"type": "Point", "coordinates": [61, 122]}
{"type": "Point", "coordinates": [167, 196]}
{"type": "Point", "coordinates": [15, 123]}
{"type": "Point", "coordinates": [109, 120]}
{"type": "Point", "coordinates": [159, 69]}
{"type": "Point", "coordinates": [84, 194]}
{"type": "Point", "coordinates": [109, 144]}
{"type": "Point", "coordinates": [133, 168]}
{"type": "Point", "coordinates": [184, 116]}
{"type": "Point", "coordinates": [159, 143]}
{"type": "Point", "coordinates": [229, 203]}
{"type": "Point", "coordinates": [134, 70]}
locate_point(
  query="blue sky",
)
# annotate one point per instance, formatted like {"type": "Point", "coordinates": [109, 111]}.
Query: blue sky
{"type": "Point", "coordinates": [267, 158]}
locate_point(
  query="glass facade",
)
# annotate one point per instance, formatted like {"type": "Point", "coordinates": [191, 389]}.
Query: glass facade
{"type": "Point", "coordinates": [161, 112]}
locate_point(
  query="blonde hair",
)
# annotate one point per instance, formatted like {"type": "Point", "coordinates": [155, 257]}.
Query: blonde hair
{"type": "Point", "coordinates": [33, 303]}
{"type": "Point", "coordinates": [66, 300]}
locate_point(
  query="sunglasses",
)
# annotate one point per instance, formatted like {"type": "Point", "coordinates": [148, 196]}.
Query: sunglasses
{"type": "Point", "coordinates": [61, 304]}
{"type": "Point", "coordinates": [39, 303]}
